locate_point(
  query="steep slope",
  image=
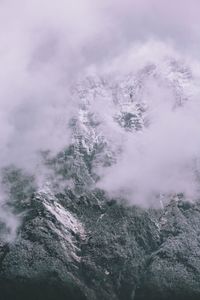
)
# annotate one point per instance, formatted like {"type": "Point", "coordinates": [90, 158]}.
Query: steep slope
{"type": "Point", "coordinates": [76, 242]}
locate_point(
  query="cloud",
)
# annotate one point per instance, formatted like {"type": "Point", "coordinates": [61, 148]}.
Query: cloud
{"type": "Point", "coordinates": [41, 54]}
{"type": "Point", "coordinates": [45, 46]}
{"type": "Point", "coordinates": [142, 19]}
{"type": "Point", "coordinates": [163, 158]}
{"type": "Point", "coordinates": [9, 222]}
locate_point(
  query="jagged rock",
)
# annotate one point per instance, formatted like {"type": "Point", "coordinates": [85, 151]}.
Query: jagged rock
{"type": "Point", "coordinates": [76, 243]}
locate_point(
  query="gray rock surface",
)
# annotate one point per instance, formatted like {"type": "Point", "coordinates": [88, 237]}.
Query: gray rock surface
{"type": "Point", "coordinates": [76, 243]}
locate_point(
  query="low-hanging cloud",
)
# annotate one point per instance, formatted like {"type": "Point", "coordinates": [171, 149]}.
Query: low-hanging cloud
{"type": "Point", "coordinates": [45, 46]}
{"type": "Point", "coordinates": [41, 54]}
{"type": "Point", "coordinates": [163, 158]}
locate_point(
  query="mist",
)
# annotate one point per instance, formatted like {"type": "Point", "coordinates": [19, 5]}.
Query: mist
{"type": "Point", "coordinates": [161, 160]}
{"type": "Point", "coordinates": [46, 46]}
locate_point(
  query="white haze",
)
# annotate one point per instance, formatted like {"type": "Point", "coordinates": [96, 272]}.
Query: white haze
{"type": "Point", "coordinates": [47, 45]}
{"type": "Point", "coordinates": [163, 158]}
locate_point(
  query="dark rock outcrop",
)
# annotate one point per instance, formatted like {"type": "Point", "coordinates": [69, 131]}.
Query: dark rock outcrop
{"type": "Point", "coordinates": [75, 243]}
{"type": "Point", "coordinates": [89, 247]}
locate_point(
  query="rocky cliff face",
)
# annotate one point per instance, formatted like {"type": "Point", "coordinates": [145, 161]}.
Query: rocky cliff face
{"type": "Point", "coordinates": [75, 242]}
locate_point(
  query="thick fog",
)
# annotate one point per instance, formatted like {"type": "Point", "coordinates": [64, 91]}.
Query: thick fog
{"type": "Point", "coordinates": [45, 46]}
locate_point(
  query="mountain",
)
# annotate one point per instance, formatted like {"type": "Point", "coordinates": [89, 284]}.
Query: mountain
{"type": "Point", "coordinates": [77, 242]}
